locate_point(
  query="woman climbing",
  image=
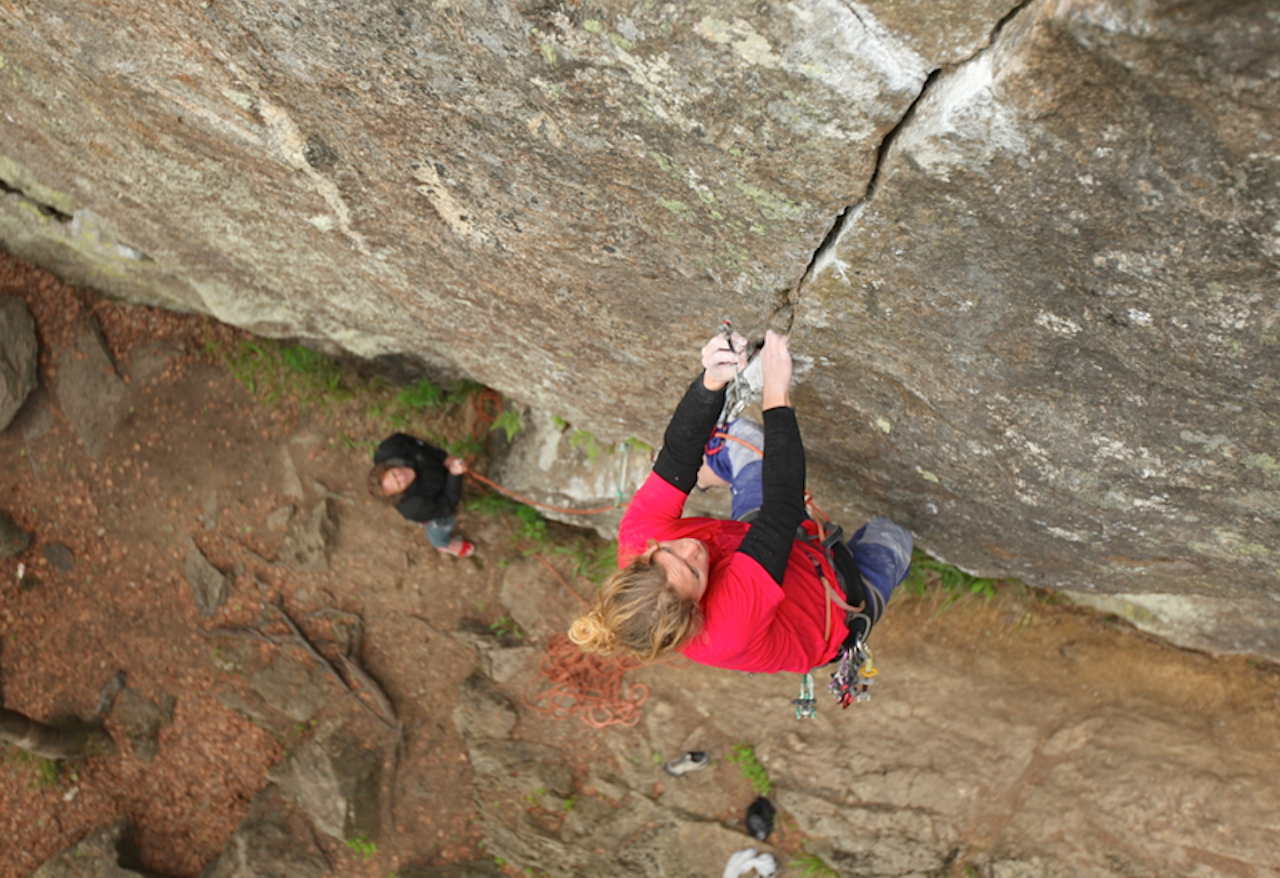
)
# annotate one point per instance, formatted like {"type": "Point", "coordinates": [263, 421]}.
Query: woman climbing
{"type": "Point", "coordinates": [765, 594]}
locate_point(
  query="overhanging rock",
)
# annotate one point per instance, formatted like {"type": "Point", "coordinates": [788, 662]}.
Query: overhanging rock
{"type": "Point", "coordinates": [1044, 332]}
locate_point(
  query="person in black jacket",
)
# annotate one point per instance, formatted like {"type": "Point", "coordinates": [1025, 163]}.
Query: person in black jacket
{"type": "Point", "coordinates": [424, 484]}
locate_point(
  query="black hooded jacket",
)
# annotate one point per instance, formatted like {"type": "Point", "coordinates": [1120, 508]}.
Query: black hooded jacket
{"type": "Point", "coordinates": [434, 492]}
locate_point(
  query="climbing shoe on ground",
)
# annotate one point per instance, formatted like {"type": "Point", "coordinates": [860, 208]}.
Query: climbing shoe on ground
{"type": "Point", "coordinates": [694, 760]}
{"type": "Point", "coordinates": [760, 818]}
{"type": "Point", "coordinates": [459, 548]}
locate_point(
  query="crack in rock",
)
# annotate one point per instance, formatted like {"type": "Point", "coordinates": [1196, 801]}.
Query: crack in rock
{"type": "Point", "coordinates": [824, 255]}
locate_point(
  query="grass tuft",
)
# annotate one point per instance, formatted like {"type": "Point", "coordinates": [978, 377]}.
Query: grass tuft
{"type": "Point", "coordinates": [744, 756]}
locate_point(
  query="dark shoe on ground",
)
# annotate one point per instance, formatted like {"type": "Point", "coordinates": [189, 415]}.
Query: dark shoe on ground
{"type": "Point", "coordinates": [459, 548]}
{"type": "Point", "coordinates": [760, 818]}
{"type": "Point", "coordinates": [695, 760]}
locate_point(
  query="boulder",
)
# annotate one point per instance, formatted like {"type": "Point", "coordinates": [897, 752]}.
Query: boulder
{"type": "Point", "coordinates": [19, 363]}
{"type": "Point", "coordinates": [335, 777]}
{"type": "Point", "coordinates": [13, 539]}
{"type": "Point", "coordinates": [209, 584]}
{"type": "Point", "coordinates": [1026, 251]}
{"type": "Point", "coordinates": [142, 720]}
{"type": "Point", "coordinates": [272, 840]}
{"type": "Point", "coordinates": [90, 392]}
{"type": "Point", "coordinates": [309, 542]}
{"type": "Point", "coordinates": [107, 853]}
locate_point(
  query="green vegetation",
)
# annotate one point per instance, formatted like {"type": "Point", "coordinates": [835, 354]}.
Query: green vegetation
{"type": "Point", "coordinates": [586, 440]}
{"type": "Point", "coordinates": [508, 420]}
{"type": "Point", "coordinates": [744, 756]}
{"type": "Point", "coordinates": [590, 557]}
{"type": "Point", "coordinates": [291, 375]}
{"type": "Point", "coordinates": [46, 773]}
{"type": "Point", "coordinates": [362, 846]}
{"type": "Point", "coordinates": [507, 627]}
{"type": "Point", "coordinates": [813, 866]}
{"type": "Point", "coordinates": [952, 580]}
{"type": "Point", "coordinates": [272, 369]}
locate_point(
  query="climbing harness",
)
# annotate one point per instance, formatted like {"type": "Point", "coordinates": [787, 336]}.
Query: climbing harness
{"type": "Point", "coordinates": [855, 670]}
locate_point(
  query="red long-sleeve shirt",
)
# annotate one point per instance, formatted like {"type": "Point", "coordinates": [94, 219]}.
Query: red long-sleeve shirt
{"type": "Point", "coordinates": [751, 623]}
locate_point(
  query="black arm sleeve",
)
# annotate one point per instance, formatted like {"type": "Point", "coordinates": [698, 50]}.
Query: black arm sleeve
{"type": "Point", "coordinates": [782, 509]}
{"type": "Point", "coordinates": [687, 434]}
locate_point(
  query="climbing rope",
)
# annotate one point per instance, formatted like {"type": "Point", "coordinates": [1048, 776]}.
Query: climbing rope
{"type": "Point", "coordinates": [587, 686]}
{"type": "Point", "coordinates": [526, 501]}
{"type": "Point", "coordinates": [484, 411]}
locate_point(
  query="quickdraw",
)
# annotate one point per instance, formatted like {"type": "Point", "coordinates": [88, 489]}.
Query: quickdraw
{"type": "Point", "coordinates": [854, 675]}
{"type": "Point", "coordinates": [738, 393]}
{"type": "Point", "coordinates": [806, 704]}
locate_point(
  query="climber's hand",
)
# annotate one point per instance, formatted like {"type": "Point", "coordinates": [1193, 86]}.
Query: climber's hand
{"type": "Point", "coordinates": [719, 362]}
{"type": "Point", "coordinates": [776, 362]}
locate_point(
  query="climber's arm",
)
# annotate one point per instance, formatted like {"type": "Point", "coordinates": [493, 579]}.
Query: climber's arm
{"type": "Point", "coordinates": [696, 415]}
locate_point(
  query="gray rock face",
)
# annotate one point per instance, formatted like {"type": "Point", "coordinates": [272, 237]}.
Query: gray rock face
{"type": "Point", "coordinates": [335, 779]}
{"type": "Point", "coordinates": [19, 365]}
{"type": "Point", "coordinates": [1027, 251]}
{"type": "Point", "coordinates": [483, 711]}
{"type": "Point", "coordinates": [142, 719]}
{"type": "Point", "coordinates": [90, 392]}
{"type": "Point", "coordinates": [209, 584]}
{"type": "Point", "coordinates": [309, 542]}
{"type": "Point", "coordinates": [100, 855]}
{"type": "Point", "coordinates": [272, 840]}
{"type": "Point", "coordinates": [13, 539]}
{"type": "Point", "coordinates": [1062, 305]}
{"type": "Point", "coordinates": [481, 869]}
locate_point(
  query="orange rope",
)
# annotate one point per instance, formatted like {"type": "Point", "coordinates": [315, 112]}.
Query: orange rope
{"type": "Point", "coordinates": [587, 686]}
{"type": "Point", "coordinates": [526, 501]}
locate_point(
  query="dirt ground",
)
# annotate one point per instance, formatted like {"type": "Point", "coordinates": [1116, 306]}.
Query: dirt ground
{"type": "Point", "coordinates": [199, 462]}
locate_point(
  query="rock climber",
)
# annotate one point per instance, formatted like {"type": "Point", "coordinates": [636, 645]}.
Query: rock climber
{"type": "Point", "coordinates": [424, 484]}
{"type": "Point", "coordinates": [761, 593]}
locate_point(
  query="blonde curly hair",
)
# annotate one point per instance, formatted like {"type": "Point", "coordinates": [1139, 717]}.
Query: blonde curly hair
{"type": "Point", "coordinates": [637, 613]}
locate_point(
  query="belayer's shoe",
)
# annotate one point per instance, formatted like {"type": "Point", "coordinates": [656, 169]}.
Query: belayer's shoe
{"type": "Point", "coordinates": [458, 548]}
{"type": "Point", "coordinates": [694, 760]}
{"type": "Point", "coordinates": [760, 818]}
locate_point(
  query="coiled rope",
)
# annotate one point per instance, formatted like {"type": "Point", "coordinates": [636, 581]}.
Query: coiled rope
{"type": "Point", "coordinates": [587, 686]}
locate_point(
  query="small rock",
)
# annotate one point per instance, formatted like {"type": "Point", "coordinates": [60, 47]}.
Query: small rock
{"type": "Point", "coordinates": [107, 853]}
{"type": "Point", "coordinates": [279, 519]}
{"type": "Point", "coordinates": [91, 394]}
{"type": "Point", "coordinates": [18, 356]}
{"type": "Point", "coordinates": [208, 582]}
{"type": "Point", "coordinates": [60, 556]}
{"type": "Point", "coordinates": [13, 539]}
{"type": "Point", "coordinates": [310, 540]}
{"type": "Point", "coordinates": [142, 719]}
{"type": "Point", "coordinates": [272, 840]}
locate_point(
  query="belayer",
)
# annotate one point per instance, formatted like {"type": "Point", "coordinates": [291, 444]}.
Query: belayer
{"type": "Point", "coordinates": [424, 484]}
{"type": "Point", "coordinates": [764, 592]}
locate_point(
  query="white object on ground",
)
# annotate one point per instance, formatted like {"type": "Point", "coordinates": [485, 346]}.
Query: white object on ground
{"type": "Point", "coordinates": [745, 860]}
